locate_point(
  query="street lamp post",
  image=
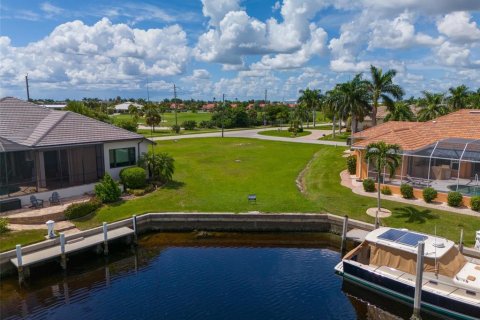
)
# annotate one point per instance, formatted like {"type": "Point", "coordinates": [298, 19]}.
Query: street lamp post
{"type": "Point", "coordinates": [223, 112]}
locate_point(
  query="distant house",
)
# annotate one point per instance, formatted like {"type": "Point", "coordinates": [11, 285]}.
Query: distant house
{"type": "Point", "coordinates": [123, 107]}
{"type": "Point", "coordinates": [55, 106]}
{"type": "Point", "coordinates": [382, 112]}
{"type": "Point", "coordinates": [43, 150]}
{"type": "Point", "coordinates": [443, 153]}
{"type": "Point", "coordinates": [208, 107]}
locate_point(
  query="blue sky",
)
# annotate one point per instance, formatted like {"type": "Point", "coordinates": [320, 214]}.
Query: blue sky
{"type": "Point", "coordinates": [75, 49]}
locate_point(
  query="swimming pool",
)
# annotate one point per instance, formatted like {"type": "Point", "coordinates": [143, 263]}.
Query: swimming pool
{"type": "Point", "coordinates": [465, 189]}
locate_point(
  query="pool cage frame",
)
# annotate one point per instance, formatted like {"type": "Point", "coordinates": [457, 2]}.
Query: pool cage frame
{"type": "Point", "coordinates": [451, 164]}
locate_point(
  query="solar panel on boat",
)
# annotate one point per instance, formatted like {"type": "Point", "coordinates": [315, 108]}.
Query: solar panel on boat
{"type": "Point", "coordinates": [404, 237]}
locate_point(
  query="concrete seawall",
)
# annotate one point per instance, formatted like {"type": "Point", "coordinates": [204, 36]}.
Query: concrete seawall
{"type": "Point", "coordinates": [247, 222]}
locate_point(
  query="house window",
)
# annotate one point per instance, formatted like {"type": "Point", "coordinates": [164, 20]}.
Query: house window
{"type": "Point", "coordinates": [122, 157]}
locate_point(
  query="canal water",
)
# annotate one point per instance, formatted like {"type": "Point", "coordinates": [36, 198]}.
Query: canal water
{"type": "Point", "coordinates": [198, 276]}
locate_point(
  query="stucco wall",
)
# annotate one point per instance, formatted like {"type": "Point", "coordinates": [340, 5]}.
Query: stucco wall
{"type": "Point", "coordinates": [114, 172]}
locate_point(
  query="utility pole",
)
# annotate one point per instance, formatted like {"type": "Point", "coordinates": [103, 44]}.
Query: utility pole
{"type": "Point", "coordinates": [264, 107]}
{"type": "Point", "coordinates": [148, 93]}
{"type": "Point", "coordinates": [175, 103]}
{"type": "Point", "coordinates": [223, 112]}
{"type": "Point", "coordinates": [28, 89]}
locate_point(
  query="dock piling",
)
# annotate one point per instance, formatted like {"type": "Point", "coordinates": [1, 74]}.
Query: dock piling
{"type": "Point", "coordinates": [105, 238]}
{"type": "Point", "coordinates": [63, 257]}
{"type": "Point", "coordinates": [418, 282]}
{"type": "Point", "coordinates": [134, 223]}
{"type": "Point", "coordinates": [21, 276]}
{"type": "Point", "coordinates": [344, 234]}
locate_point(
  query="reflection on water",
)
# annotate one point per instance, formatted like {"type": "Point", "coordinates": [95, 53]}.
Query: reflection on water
{"type": "Point", "coordinates": [195, 276]}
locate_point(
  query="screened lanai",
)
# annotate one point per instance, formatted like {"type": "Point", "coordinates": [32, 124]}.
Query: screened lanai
{"type": "Point", "coordinates": [448, 165]}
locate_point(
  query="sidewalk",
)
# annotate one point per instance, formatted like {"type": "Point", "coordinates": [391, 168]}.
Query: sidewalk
{"type": "Point", "coordinates": [350, 181]}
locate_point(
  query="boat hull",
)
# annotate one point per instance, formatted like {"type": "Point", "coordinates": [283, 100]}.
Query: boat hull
{"type": "Point", "coordinates": [403, 292]}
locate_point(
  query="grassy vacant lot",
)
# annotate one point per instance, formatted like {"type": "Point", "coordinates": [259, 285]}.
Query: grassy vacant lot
{"type": "Point", "coordinates": [216, 175]}
{"type": "Point", "coordinates": [10, 239]}
{"type": "Point", "coordinates": [284, 133]}
{"type": "Point", "coordinates": [164, 133]}
{"type": "Point", "coordinates": [168, 119]}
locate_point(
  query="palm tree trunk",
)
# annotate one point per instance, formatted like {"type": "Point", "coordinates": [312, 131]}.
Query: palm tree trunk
{"type": "Point", "coordinates": [314, 116]}
{"type": "Point", "coordinates": [374, 113]}
{"type": "Point", "coordinates": [378, 197]}
{"type": "Point", "coordinates": [333, 125]}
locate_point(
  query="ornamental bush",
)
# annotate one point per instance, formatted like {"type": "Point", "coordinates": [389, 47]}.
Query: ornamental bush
{"type": "Point", "coordinates": [127, 124]}
{"type": "Point", "coordinates": [176, 128]}
{"type": "Point", "coordinates": [352, 164]}
{"type": "Point", "coordinates": [454, 199]}
{"type": "Point", "coordinates": [386, 191]}
{"type": "Point", "coordinates": [82, 209]}
{"type": "Point", "coordinates": [134, 177]}
{"type": "Point", "coordinates": [406, 190]}
{"type": "Point", "coordinates": [475, 203]}
{"type": "Point", "coordinates": [429, 194]}
{"type": "Point", "coordinates": [369, 185]}
{"type": "Point", "coordinates": [107, 189]}
{"type": "Point", "coordinates": [206, 124]}
{"type": "Point", "coordinates": [189, 124]}
{"type": "Point", "coordinates": [3, 225]}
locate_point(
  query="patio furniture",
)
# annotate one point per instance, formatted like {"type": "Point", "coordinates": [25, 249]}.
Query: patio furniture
{"type": "Point", "coordinates": [36, 203]}
{"type": "Point", "coordinates": [417, 181]}
{"type": "Point", "coordinates": [55, 199]}
{"type": "Point", "coordinates": [10, 204]}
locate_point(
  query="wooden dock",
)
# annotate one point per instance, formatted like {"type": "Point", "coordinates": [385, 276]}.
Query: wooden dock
{"type": "Point", "coordinates": [84, 243]}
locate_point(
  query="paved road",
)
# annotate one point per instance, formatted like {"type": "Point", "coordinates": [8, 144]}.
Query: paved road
{"type": "Point", "coordinates": [253, 133]}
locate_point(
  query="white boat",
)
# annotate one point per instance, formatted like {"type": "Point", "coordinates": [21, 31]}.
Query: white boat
{"type": "Point", "coordinates": [386, 263]}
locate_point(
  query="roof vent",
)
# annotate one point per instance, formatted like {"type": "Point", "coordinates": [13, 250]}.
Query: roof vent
{"type": "Point", "coordinates": [475, 111]}
{"type": "Point", "coordinates": [434, 121]}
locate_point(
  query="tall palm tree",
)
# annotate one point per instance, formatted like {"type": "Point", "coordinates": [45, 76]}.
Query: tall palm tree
{"type": "Point", "coordinates": [458, 97]}
{"type": "Point", "coordinates": [311, 98]}
{"type": "Point", "coordinates": [152, 116]}
{"type": "Point", "coordinates": [381, 86]}
{"type": "Point", "coordinates": [432, 106]}
{"type": "Point", "coordinates": [383, 156]}
{"type": "Point", "coordinates": [354, 99]}
{"type": "Point", "coordinates": [332, 105]}
{"type": "Point", "coordinates": [400, 112]}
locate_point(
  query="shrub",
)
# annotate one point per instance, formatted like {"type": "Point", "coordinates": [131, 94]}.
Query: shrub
{"type": "Point", "coordinates": [406, 190]}
{"type": "Point", "coordinates": [134, 177]}
{"type": "Point", "coordinates": [429, 194]}
{"type": "Point", "coordinates": [189, 124]}
{"type": "Point", "coordinates": [386, 191]}
{"type": "Point", "coordinates": [206, 124]}
{"type": "Point", "coordinates": [176, 128]}
{"type": "Point", "coordinates": [78, 210]}
{"type": "Point", "coordinates": [369, 185]}
{"type": "Point", "coordinates": [475, 203]}
{"type": "Point", "coordinates": [3, 225]}
{"type": "Point", "coordinates": [127, 124]}
{"type": "Point", "coordinates": [454, 199]}
{"type": "Point", "coordinates": [107, 189]}
{"type": "Point", "coordinates": [352, 164]}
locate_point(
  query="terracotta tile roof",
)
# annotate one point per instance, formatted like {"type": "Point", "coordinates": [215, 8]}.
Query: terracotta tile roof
{"type": "Point", "coordinates": [463, 124]}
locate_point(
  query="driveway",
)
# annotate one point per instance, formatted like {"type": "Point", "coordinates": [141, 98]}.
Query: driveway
{"type": "Point", "coordinates": [253, 134]}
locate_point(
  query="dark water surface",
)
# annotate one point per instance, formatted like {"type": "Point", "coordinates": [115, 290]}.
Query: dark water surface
{"type": "Point", "coordinates": [182, 276]}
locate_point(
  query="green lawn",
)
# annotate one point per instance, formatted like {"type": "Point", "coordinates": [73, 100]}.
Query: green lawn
{"type": "Point", "coordinates": [216, 175]}
{"type": "Point", "coordinates": [10, 239]}
{"type": "Point", "coordinates": [341, 137]}
{"type": "Point", "coordinates": [168, 119]}
{"type": "Point", "coordinates": [283, 133]}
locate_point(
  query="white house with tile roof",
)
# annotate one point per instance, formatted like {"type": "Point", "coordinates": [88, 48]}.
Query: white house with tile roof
{"type": "Point", "coordinates": [42, 150]}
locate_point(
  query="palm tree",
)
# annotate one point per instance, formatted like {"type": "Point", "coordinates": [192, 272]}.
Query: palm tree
{"type": "Point", "coordinates": [382, 86]}
{"type": "Point", "coordinates": [133, 111]}
{"type": "Point", "coordinates": [458, 97]}
{"type": "Point", "coordinates": [400, 112]}
{"type": "Point", "coordinates": [152, 116]}
{"type": "Point", "coordinates": [311, 98]}
{"type": "Point", "coordinates": [161, 166]}
{"type": "Point", "coordinates": [383, 156]}
{"type": "Point", "coordinates": [333, 106]}
{"type": "Point", "coordinates": [432, 106]}
{"type": "Point", "coordinates": [353, 99]}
